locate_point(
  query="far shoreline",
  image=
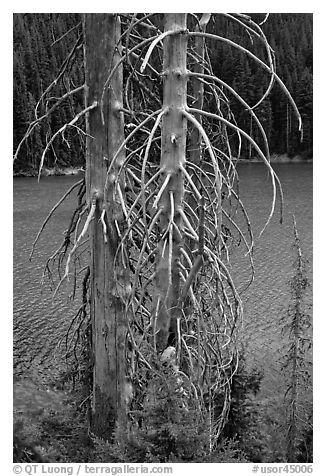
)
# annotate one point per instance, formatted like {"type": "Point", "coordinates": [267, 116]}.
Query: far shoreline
{"type": "Point", "coordinates": [278, 159]}
{"type": "Point", "coordinates": [50, 172]}
{"type": "Point", "coordinates": [66, 171]}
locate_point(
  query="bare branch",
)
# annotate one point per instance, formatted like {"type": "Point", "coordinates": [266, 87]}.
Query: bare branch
{"type": "Point", "coordinates": [260, 153]}
{"type": "Point", "coordinates": [47, 114]}
{"type": "Point", "coordinates": [51, 213]}
{"type": "Point", "coordinates": [61, 130]}
{"type": "Point", "coordinates": [255, 58]}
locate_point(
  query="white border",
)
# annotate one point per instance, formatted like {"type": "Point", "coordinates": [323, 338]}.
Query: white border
{"type": "Point", "coordinates": [319, 200]}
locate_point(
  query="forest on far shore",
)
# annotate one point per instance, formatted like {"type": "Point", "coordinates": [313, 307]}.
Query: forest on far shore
{"type": "Point", "coordinates": [42, 43]}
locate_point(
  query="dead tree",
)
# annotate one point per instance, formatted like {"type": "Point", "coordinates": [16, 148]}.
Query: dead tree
{"type": "Point", "coordinates": [169, 200]}
{"type": "Point", "coordinates": [159, 258]}
{"type": "Point", "coordinates": [105, 133]}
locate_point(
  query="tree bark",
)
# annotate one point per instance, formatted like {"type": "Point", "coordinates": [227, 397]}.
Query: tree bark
{"type": "Point", "coordinates": [105, 129]}
{"type": "Point", "coordinates": [195, 140]}
{"type": "Point", "coordinates": [173, 147]}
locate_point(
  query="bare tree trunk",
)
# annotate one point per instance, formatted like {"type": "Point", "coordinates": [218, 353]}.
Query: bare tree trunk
{"type": "Point", "coordinates": [195, 139]}
{"type": "Point", "coordinates": [105, 129]}
{"type": "Point", "coordinates": [195, 142]}
{"type": "Point", "coordinates": [173, 147]}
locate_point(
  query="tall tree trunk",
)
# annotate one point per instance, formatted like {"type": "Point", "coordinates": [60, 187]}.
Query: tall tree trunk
{"type": "Point", "coordinates": [195, 140]}
{"type": "Point", "coordinates": [105, 135]}
{"type": "Point", "coordinates": [173, 147]}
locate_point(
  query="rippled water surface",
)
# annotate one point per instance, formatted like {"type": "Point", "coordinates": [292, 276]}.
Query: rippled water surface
{"type": "Point", "coordinates": [268, 298]}
{"type": "Point", "coordinates": [39, 323]}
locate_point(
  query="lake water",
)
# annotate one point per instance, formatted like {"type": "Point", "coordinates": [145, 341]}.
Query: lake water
{"type": "Point", "coordinates": [268, 298]}
{"type": "Point", "coordinates": [40, 323]}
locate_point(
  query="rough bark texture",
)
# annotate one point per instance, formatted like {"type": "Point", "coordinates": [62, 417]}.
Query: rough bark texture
{"type": "Point", "coordinates": [102, 32]}
{"type": "Point", "coordinates": [195, 142]}
{"type": "Point", "coordinates": [173, 146]}
{"type": "Point", "coordinates": [195, 139]}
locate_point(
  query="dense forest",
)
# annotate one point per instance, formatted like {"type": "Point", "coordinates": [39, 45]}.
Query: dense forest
{"type": "Point", "coordinates": [43, 42]}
